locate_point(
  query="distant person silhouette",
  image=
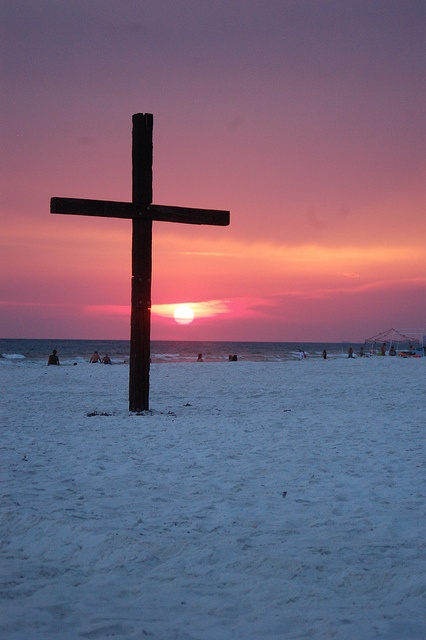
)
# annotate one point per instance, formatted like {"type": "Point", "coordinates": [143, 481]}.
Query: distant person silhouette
{"type": "Point", "coordinates": [106, 359]}
{"type": "Point", "coordinates": [53, 358]}
{"type": "Point", "coordinates": [200, 357]}
{"type": "Point", "coordinates": [324, 354]}
{"type": "Point", "coordinates": [95, 357]}
{"type": "Point", "coordinates": [350, 353]}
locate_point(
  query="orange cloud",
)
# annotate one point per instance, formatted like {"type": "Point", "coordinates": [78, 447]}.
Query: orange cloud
{"type": "Point", "coordinates": [204, 309]}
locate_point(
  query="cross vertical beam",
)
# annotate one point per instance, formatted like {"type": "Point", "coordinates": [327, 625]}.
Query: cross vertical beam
{"type": "Point", "coordinates": [140, 320]}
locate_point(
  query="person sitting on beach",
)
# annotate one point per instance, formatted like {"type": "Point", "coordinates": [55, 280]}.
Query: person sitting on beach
{"type": "Point", "coordinates": [106, 359]}
{"type": "Point", "coordinates": [350, 353]}
{"type": "Point", "coordinates": [53, 358]}
{"type": "Point", "coordinates": [392, 351]}
{"type": "Point", "coordinates": [95, 357]}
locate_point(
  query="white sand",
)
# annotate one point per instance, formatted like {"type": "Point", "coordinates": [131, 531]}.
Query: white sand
{"type": "Point", "coordinates": [175, 525]}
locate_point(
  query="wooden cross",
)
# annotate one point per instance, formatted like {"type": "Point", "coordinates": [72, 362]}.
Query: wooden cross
{"type": "Point", "coordinates": [142, 212]}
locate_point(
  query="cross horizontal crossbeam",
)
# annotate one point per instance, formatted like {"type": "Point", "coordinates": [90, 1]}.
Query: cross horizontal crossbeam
{"type": "Point", "coordinates": [136, 211]}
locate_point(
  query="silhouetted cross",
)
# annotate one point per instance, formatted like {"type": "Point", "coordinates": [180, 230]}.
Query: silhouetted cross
{"type": "Point", "coordinates": [142, 212]}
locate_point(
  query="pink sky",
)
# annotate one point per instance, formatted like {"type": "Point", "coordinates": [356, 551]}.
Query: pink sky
{"type": "Point", "coordinates": [304, 119]}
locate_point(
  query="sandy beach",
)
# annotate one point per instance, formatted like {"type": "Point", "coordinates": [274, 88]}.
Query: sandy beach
{"type": "Point", "coordinates": [256, 501]}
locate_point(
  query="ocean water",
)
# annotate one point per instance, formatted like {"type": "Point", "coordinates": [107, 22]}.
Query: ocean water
{"type": "Point", "coordinates": [26, 351]}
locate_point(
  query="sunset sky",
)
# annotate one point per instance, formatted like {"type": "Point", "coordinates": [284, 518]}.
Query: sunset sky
{"type": "Point", "coordinates": [304, 118]}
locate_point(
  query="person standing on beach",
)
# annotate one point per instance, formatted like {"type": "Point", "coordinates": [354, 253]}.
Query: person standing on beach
{"type": "Point", "coordinates": [95, 357]}
{"type": "Point", "coordinates": [324, 354]}
{"type": "Point", "coordinates": [53, 358]}
{"type": "Point", "coordinates": [350, 353]}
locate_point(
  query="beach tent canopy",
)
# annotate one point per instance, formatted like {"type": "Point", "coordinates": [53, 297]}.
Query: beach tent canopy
{"type": "Point", "coordinates": [398, 338]}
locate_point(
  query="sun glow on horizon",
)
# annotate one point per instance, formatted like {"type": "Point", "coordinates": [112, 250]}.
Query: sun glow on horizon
{"type": "Point", "coordinates": [183, 314]}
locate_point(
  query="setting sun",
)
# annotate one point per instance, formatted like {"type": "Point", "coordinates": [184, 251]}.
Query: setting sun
{"type": "Point", "coordinates": [183, 314]}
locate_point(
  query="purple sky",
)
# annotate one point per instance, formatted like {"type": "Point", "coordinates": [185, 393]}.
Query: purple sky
{"type": "Point", "coordinates": [305, 119]}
